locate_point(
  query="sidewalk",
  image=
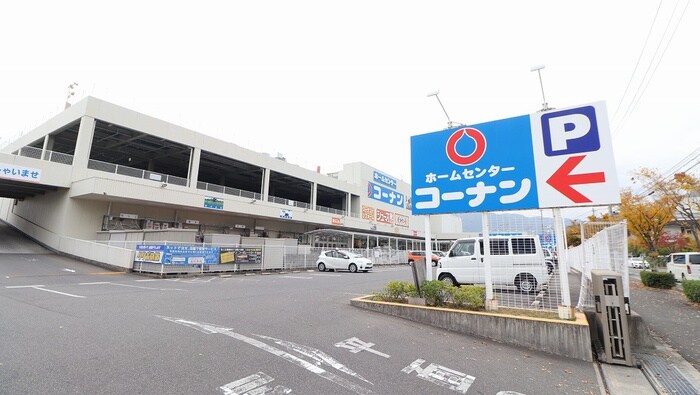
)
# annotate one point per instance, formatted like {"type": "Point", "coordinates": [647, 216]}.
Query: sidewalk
{"type": "Point", "coordinates": [671, 366]}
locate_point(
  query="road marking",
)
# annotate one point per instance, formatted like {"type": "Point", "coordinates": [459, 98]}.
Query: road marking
{"type": "Point", "coordinates": [68, 270]}
{"type": "Point", "coordinates": [318, 355]}
{"type": "Point", "coordinates": [41, 288]}
{"type": "Point", "coordinates": [440, 375]}
{"type": "Point", "coordinates": [132, 286]}
{"type": "Point", "coordinates": [253, 384]}
{"type": "Point", "coordinates": [302, 278]}
{"type": "Point", "coordinates": [311, 367]}
{"type": "Point", "coordinates": [356, 345]}
{"type": "Point", "coordinates": [105, 273]}
{"type": "Point", "coordinates": [326, 275]}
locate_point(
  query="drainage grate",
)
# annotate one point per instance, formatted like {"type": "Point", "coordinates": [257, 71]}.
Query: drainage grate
{"type": "Point", "coordinates": [665, 374]}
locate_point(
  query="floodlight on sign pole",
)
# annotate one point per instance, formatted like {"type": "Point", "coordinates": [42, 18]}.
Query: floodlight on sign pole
{"type": "Point", "coordinates": [436, 93]}
{"type": "Point", "coordinates": [538, 69]}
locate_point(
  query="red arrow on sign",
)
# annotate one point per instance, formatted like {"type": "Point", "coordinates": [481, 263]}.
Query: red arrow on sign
{"type": "Point", "coordinates": [562, 179]}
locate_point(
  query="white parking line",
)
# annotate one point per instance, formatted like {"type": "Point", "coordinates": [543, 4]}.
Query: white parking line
{"type": "Point", "coordinates": [41, 288]}
{"type": "Point", "coordinates": [303, 278]}
{"type": "Point", "coordinates": [133, 286]}
{"type": "Point", "coordinates": [326, 275]}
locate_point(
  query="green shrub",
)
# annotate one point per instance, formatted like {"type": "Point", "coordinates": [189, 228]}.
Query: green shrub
{"type": "Point", "coordinates": [399, 290]}
{"type": "Point", "coordinates": [434, 292]}
{"type": "Point", "coordinates": [471, 297]}
{"type": "Point", "coordinates": [658, 279]}
{"type": "Point", "coordinates": [691, 289]}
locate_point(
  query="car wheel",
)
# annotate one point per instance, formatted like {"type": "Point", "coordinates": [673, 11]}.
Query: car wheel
{"type": "Point", "coordinates": [435, 263]}
{"type": "Point", "coordinates": [448, 280]}
{"type": "Point", "coordinates": [526, 283]}
{"type": "Point", "coordinates": [410, 261]}
{"type": "Point", "coordinates": [352, 268]}
{"type": "Point", "coordinates": [321, 267]}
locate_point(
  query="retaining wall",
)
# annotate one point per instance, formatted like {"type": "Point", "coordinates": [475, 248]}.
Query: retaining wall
{"type": "Point", "coordinates": [566, 338]}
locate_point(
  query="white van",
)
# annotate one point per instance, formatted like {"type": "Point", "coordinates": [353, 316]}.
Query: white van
{"type": "Point", "coordinates": [515, 261]}
{"type": "Point", "coordinates": [684, 265]}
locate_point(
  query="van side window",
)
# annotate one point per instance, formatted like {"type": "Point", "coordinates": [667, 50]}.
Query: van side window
{"type": "Point", "coordinates": [694, 259]}
{"type": "Point", "coordinates": [679, 259]}
{"type": "Point", "coordinates": [496, 246]}
{"type": "Point", "coordinates": [522, 246]}
{"type": "Point", "coordinates": [464, 248]}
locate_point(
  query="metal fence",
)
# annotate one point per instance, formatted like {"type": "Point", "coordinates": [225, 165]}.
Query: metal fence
{"type": "Point", "coordinates": [52, 156]}
{"type": "Point", "coordinates": [274, 257]}
{"type": "Point", "coordinates": [603, 246]}
{"type": "Point", "coordinates": [137, 173]}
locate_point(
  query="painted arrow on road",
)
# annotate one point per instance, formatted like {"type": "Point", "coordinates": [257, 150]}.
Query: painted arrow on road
{"type": "Point", "coordinates": [562, 179]}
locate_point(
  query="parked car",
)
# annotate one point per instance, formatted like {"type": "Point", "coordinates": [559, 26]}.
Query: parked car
{"type": "Point", "coordinates": [343, 260]}
{"type": "Point", "coordinates": [684, 265]}
{"type": "Point", "coordinates": [637, 262]}
{"type": "Point", "coordinates": [418, 255]}
{"type": "Point", "coordinates": [515, 261]}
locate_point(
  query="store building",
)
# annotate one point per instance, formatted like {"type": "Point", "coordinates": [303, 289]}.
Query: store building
{"type": "Point", "coordinates": [98, 171]}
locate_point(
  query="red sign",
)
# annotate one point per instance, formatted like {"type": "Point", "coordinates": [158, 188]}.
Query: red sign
{"type": "Point", "coordinates": [336, 221]}
{"type": "Point", "coordinates": [386, 217]}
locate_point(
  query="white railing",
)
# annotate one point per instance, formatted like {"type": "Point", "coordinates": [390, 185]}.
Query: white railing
{"type": "Point", "coordinates": [137, 173]}
{"type": "Point", "coordinates": [288, 202]}
{"type": "Point", "coordinates": [228, 190]}
{"type": "Point", "coordinates": [330, 210]}
{"type": "Point", "coordinates": [51, 156]}
{"type": "Point", "coordinates": [85, 249]}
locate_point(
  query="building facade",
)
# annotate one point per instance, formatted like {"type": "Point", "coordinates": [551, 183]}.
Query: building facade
{"type": "Point", "coordinates": [99, 168]}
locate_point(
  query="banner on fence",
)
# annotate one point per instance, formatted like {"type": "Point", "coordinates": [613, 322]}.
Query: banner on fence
{"type": "Point", "coordinates": [240, 254]}
{"type": "Point", "coordinates": [177, 255]}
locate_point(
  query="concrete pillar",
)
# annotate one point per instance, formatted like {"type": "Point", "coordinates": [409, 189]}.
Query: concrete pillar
{"type": "Point", "coordinates": [193, 174]}
{"type": "Point", "coordinates": [83, 146]}
{"type": "Point", "coordinates": [347, 203]}
{"type": "Point", "coordinates": [314, 193]}
{"type": "Point", "coordinates": [266, 184]}
{"type": "Point", "coordinates": [48, 146]}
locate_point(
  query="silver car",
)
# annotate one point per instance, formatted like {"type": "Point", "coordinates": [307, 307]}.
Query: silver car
{"type": "Point", "coordinates": [342, 260]}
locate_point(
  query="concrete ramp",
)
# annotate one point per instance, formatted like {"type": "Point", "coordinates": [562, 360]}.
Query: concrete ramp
{"type": "Point", "coordinates": [13, 241]}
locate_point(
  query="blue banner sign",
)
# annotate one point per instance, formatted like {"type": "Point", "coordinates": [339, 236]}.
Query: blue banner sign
{"type": "Point", "coordinates": [558, 158]}
{"type": "Point", "coordinates": [386, 195]}
{"type": "Point", "coordinates": [177, 255]}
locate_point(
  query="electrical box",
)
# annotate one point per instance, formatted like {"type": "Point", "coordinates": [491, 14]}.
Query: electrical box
{"type": "Point", "coordinates": [611, 315]}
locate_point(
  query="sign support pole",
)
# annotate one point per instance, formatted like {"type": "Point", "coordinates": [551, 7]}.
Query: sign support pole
{"type": "Point", "coordinates": [491, 303]}
{"type": "Point", "coordinates": [428, 251]}
{"type": "Point", "coordinates": [565, 309]}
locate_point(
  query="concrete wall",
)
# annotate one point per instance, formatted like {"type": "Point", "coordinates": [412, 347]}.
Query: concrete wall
{"type": "Point", "coordinates": [568, 339]}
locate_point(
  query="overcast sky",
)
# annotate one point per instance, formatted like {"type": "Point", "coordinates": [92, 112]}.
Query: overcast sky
{"type": "Point", "coordinates": [325, 83]}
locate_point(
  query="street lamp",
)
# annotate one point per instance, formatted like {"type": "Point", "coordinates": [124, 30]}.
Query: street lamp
{"type": "Point", "coordinates": [537, 68]}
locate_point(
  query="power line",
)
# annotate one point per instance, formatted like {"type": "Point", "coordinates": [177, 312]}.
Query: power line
{"type": "Point", "coordinates": [641, 53]}
{"type": "Point", "coordinates": [646, 82]}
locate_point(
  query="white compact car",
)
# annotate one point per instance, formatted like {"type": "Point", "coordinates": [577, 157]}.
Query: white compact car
{"type": "Point", "coordinates": [342, 260]}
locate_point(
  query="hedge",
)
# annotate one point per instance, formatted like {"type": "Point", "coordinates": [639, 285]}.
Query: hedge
{"type": "Point", "coordinates": [658, 279]}
{"type": "Point", "coordinates": [691, 289]}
